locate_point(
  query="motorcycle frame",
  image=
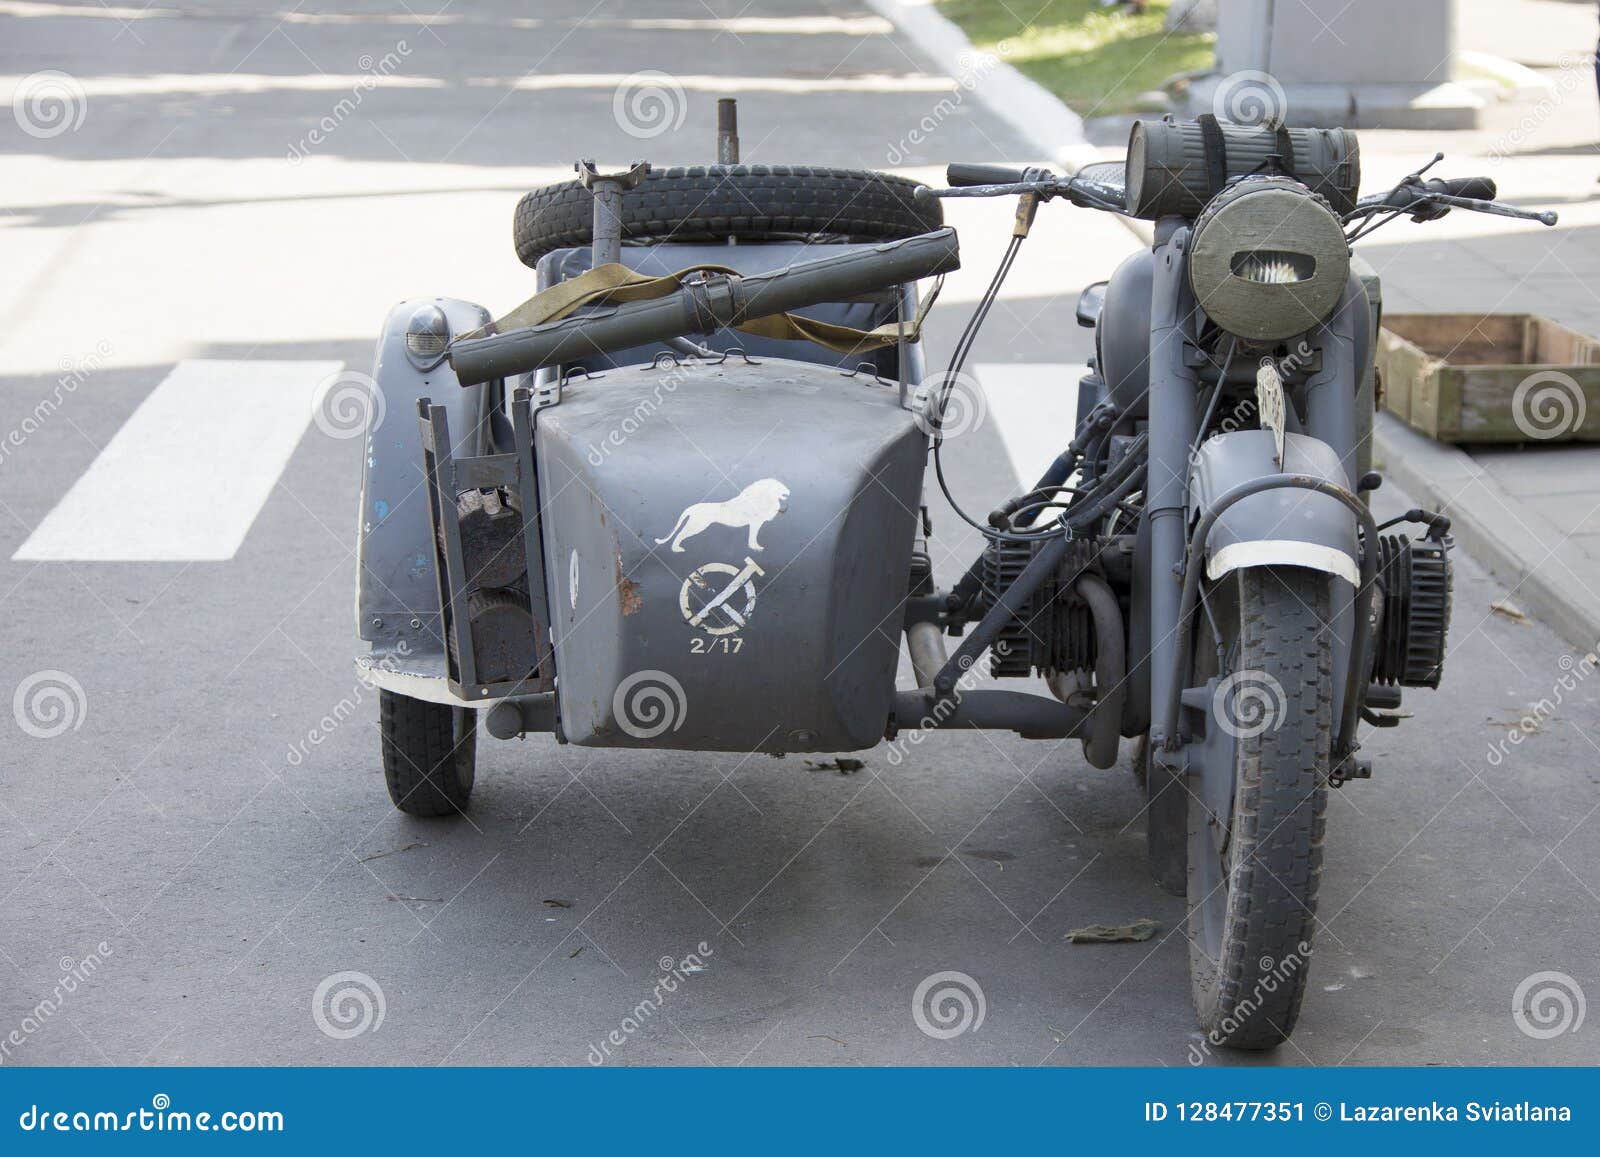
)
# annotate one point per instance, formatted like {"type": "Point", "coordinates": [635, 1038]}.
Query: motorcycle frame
{"type": "Point", "coordinates": [1179, 533]}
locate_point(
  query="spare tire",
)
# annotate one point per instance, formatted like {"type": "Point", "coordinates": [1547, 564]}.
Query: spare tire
{"type": "Point", "coordinates": [749, 202]}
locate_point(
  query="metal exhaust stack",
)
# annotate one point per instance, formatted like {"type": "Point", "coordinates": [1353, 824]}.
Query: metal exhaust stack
{"type": "Point", "coordinates": [727, 131]}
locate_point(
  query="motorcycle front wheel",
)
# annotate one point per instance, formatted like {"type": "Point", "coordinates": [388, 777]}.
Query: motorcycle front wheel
{"type": "Point", "coordinates": [1264, 652]}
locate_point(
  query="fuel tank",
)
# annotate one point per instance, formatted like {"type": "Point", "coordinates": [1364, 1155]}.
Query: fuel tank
{"type": "Point", "coordinates": [727, 549]}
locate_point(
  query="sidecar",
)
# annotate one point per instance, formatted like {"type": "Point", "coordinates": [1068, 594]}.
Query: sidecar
{"type": "Point", "coordinates": [702, 545]}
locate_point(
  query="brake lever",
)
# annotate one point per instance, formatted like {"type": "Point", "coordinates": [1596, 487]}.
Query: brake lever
{"type": "Point", "coordinates": [1423, 200]}
{"type": "Point", "coordinates": [1494, 208]}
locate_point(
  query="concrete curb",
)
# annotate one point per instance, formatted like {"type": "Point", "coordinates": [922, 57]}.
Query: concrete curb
{"type": "Point", "coordinates": [1505, 534]}
{"type": "Point", "coordinates": [1027, 107]}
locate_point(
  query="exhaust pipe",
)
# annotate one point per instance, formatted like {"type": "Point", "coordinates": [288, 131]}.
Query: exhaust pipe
{"type": "Point", "coordinates": [925, 642]}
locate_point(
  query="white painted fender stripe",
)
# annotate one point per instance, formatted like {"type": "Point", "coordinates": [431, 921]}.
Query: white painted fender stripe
{"type": "Point", "coordinates": [185, 477]}
{"type": "Point", "coordinates": [1034, 406]}
{"type": "Point", "coordinates": [1283, 552]}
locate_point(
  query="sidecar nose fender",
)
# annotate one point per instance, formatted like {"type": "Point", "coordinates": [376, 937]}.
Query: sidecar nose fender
{"type": "Point", "coordinates": [1277, 527]}
{"type": "Point", "coordinates": [397, 592]}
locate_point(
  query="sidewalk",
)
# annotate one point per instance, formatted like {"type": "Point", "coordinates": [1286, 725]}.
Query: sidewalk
{"type": "Point", "coordinates": [1530, 513]}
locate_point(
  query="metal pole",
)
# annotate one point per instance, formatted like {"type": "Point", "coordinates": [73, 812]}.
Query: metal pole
{"type": "Point", "coordinates": [1173, 394]}
{"type": "Point", "coordinates": [605, 245]}
{"type": "Point", "coordinates": [607, 222]}
{"type": "Point", "coordinates": [727, 131]}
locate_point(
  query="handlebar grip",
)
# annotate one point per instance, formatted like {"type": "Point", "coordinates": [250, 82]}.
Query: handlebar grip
{"type": "Point", "coordinates": [1477, 188]}
{"type": "Point", "coordinates": [961, 174]}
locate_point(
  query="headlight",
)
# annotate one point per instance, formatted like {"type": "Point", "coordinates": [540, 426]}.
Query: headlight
{"type": "Point", "coordinates": [427, 335]}
{"type": "Point", "coordinates": [1268, 259]}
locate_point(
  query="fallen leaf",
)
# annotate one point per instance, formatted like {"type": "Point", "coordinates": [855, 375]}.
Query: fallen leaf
{"type": "Point", "coordinates": [575, 951]}
{"type": "Point", "coordinates": [843, 765]}
{"type": "Point", "coordinates": [1508, 609]}
{"type": "Point", "coordinates": [556, 904]}
{"type": "Point", "coordinates": [1141, 929]}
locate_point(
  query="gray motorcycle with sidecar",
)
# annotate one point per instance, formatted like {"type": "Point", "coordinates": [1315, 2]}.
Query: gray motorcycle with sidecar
{"type": "Point", "coordinates": [676, 500]}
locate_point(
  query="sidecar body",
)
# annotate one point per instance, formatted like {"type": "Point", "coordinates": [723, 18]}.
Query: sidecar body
{"type": "Point", "coordinates": [721, 547]}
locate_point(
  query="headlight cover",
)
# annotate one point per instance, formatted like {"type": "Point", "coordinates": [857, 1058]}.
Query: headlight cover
{"type": "Point", "coordinates": [1268, 259]}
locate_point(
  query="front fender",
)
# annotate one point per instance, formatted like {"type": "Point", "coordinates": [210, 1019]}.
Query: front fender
{"type": "Point", "coordinates": [1279, 527]}
{"type": "Point", "coordinates": [397, 592]}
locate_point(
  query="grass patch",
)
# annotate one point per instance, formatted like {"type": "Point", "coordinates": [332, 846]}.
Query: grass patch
{"type": "Point", "coordinates": [1097, 60]}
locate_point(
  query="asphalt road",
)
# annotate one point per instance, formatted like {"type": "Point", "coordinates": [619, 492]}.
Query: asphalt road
{"type": "Point", "coordinates": [199, 851]}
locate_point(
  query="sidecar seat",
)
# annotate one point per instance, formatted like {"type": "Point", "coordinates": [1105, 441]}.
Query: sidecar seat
{"type": "Point", "coordinates": [748, 258]}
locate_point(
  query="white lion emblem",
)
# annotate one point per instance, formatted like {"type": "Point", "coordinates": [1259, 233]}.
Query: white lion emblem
{"type": "Point", "coordinates": [756, 505]}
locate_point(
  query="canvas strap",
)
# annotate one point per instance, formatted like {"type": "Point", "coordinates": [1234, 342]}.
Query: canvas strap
{"type": "Point", "coordinates": [615, 284]}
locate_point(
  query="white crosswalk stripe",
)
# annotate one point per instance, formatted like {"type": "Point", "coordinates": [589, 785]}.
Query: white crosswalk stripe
{"type": "Point", "coordinates": [1034, 406]}
{"type": "Point", "coordinates": [186, 475]}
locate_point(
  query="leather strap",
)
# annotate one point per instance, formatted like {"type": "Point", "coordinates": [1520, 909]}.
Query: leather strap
{"type": "Point", "coordinates": [1286, 152]}
{"type": "Point", "coordinates": [1216, 151]}
{"type": "Point", "coordinates": [615, 284]}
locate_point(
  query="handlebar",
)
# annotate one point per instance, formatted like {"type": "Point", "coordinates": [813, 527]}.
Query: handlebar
{"type": "Point", "coordinates": [1422, 200]}
{"type": "Point", "coordinates": [1477, 188]}
{"type": "Point", "coordinates": [966, 179]}
{"type": "Point", "coordinates": [1429, 200]}
{"type": "Point", "coordinates": [962, 174]}
{"type": "Point", "coordinates": [1412, 193]}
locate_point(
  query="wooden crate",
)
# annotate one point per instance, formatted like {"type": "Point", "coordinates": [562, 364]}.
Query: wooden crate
{"type": "Point", "coordinates": [1454, 376]}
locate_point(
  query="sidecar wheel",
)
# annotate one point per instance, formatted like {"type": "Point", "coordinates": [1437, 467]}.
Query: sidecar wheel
{"type": "Point", "coordinates": [429, 754]}
{"type": "Point", "coordinates": [1253, 879]}
{"type": "Point", "coordinates": [717, 202]}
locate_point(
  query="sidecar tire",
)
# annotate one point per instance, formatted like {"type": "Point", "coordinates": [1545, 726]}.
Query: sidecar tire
{"type": "Point", "coordinates": [716, 202]}
{"type": "Point", "coordinates": [429, 754]}
{"type": "Point", "coordinates": [1248, 995]}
